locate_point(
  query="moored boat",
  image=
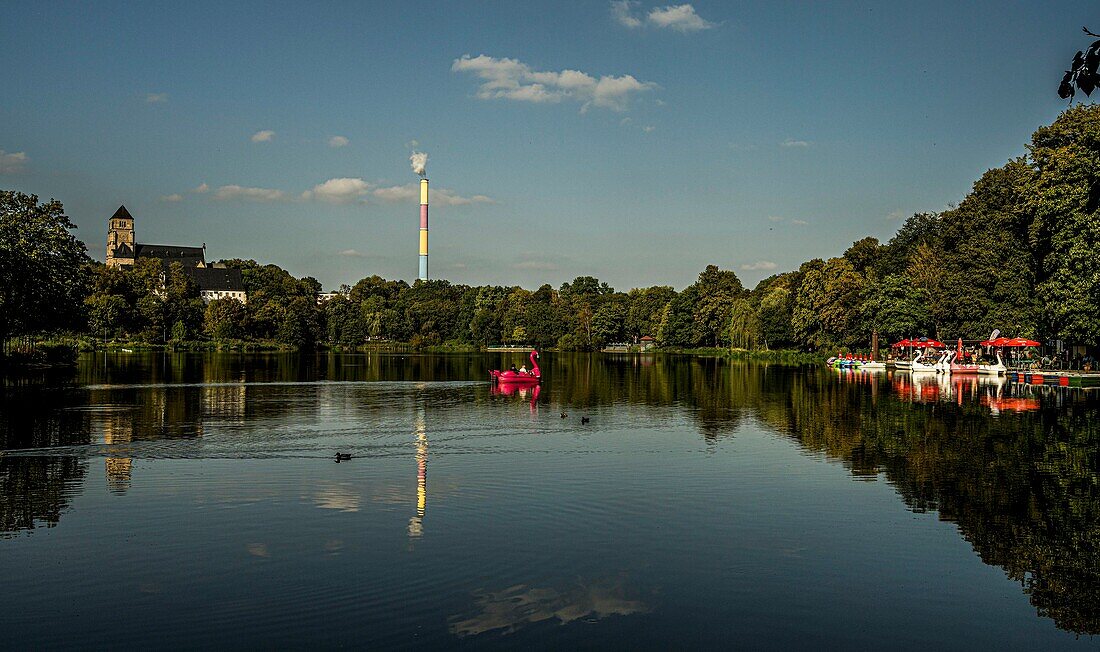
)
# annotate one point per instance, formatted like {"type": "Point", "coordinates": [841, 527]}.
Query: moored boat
{"type": "Point", "coordinates": [961, 367]}
{"type": "Point", "coordinates": [996, 369]}
{"type": "Point", "coordinates": [919, 364]}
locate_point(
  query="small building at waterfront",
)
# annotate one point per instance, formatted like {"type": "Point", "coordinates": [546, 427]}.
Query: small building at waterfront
{"type": "Point", "coordinates": [215, 281]}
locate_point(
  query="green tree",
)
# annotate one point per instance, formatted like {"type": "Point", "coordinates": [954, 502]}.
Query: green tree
{"type": "Point", "coordinates": [106, 314]}
{"type": "Point", "coordinates": [224, 319]}
{"type": "Point", "coordinates": [894, 307]}
{"type": "Point", "coordinates": [716, 292]}
{"type": "Point", "coordinates": [1065, 234]}
{"type": "Point", "coordinates": [42, 267]}
{"type": "Point", "coordinates": [646, 306]}
{"type": "Point", "coordinates": [745, 326]}
{"type": "Point", "coordinates": [774, 314]}
{"type": "Point", "coordinates": [676, 325]}
{"type": "Point", "coordinates": [826, 305]}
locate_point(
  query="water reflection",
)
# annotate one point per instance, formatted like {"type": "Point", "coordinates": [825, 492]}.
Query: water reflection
{"type": "Point", "coordinates": [530, 394]}
{"type": "Point", "coordinates": [36, 490]}
{"type": "Point", "coordinates": [1015, 467]}
{"type": "Point", "coordinates": [511, 609]}
{"type": "Point", "coordinates": [117, 432]}
{"type": "Point", "coordinates": [416, 523]}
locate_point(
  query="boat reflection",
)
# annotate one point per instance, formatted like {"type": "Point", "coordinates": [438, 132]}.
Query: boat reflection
{"type": "Point", "coordinates": [526, 393]}
{"type": "Point", "coordinates": [993, 392]}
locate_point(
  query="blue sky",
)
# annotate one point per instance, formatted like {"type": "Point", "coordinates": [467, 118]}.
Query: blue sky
{"type": "Point", "coordinates": [635, 142]}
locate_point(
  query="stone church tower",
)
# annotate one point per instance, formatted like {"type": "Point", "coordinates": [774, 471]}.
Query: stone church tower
{"type": "Point", "coordinates": [120, 239]}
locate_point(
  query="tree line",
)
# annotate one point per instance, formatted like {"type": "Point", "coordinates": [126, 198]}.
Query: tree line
{"type": "Point", "coordinates": [1019, 254]}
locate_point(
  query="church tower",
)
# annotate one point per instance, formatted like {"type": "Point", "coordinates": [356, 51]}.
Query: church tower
{"type": "Point", "coordinates": [120, 239]}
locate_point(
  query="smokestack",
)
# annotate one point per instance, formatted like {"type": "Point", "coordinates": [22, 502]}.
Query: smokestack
{"type": "Point", "coordinates": [423, 229]}
{"type": "Point", "coordinates": [419, 160]}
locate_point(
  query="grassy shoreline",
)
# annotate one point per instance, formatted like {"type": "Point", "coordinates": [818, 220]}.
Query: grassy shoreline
{"type": "Point", "coordinates": [62, 351]}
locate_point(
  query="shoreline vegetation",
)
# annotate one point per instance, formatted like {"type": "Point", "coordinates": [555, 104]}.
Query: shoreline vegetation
{"type": "Point", "coordinates": [1020, 253]}
{"type": "Point", "coordinates": [61, 349]}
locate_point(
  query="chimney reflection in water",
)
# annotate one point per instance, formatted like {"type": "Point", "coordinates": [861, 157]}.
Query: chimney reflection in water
{"type": "Point", "coordinates": [416, 523]}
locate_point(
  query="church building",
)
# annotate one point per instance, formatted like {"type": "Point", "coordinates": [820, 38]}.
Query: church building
{"type": "Point", "coordinates": [215, 281]}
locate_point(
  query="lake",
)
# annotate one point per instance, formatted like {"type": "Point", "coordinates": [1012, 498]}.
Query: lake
{"type": "Point", "coordinates": [193, 500]}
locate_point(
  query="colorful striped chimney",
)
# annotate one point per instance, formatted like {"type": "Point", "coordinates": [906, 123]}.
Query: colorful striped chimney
{"type": "Point", "coordinates": [423, 229]}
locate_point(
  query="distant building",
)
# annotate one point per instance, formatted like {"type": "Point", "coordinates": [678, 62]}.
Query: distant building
{"type": "Point", "coordinates": [215, 281]}
{"type": "Point", "coordinates": [646, 343]}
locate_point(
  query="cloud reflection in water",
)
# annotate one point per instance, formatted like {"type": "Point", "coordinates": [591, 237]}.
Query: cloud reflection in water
{"type": "Point", "coordinates": [516, 607]}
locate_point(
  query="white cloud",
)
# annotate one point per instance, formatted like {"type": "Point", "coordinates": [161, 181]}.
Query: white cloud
{"type": "Point", "coordinates": [398, 193]}
{"type": "Point", "coordinates": [202, 188]}
{"type": "Point", "coordinates": [12, 163]}
{"type": "Point", "coordinates": [759, 266]}
{"type": "Point", "coordinates": [512, 79]}
{"type": "Point", "coordinates": [536, 265]}
{"type": "Point", "coordinates": [775, 218]}
{"type": "Point", "coordinates": [338, 141]}
{"type": "Point", "coordinates": [893, 216]}
{"type": "Point", "coordinates": [156, 98]}
{"type": "Point", "coordinates": [264, 136]}
{"type": "Point", "coordinates": [438, 196]}
{"type": "Point", "coordinates": [681, 18]}
{"type": "Point", "coordinates": [648, 129]}
{"type": "Point", "coordinates": [799, 222]}
{"type": "Point", "coordinates": [174, 197]}
{"type": "Point", "coordinates": [350, 253]}
{"type": "Point", "coordinates": [344, 190]}
{"type": "Point", "coordinates": [339, 191]}
{"type": "Point", "coordinates": [790, 142]}
{"type": "Point", "coordinates": [249, 194]}
{"type": "Point", "coordinates": [622, 12]}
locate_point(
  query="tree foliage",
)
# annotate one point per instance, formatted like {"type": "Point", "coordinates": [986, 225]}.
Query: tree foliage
{"type": "Point", "coordinates": [42, 267]}
{"type": "Point", "coordinates": [1082, 73]}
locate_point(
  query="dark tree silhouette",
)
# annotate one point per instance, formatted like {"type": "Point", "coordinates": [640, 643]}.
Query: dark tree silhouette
{"type": "Point", "coordinates": [1082, 71]}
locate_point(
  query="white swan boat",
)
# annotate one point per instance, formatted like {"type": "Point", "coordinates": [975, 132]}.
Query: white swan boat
{"type": "Point", "coordinates": [920, 366]}
{"type": "Point", "coordinates": [998, 369]}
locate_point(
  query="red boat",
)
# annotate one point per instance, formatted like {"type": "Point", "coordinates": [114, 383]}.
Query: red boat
{"type": "Point", "coordinates": [510, 377]}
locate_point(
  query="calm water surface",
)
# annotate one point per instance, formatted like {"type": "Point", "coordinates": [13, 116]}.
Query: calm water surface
{"type": "Point", "coordinates": [192, 500]}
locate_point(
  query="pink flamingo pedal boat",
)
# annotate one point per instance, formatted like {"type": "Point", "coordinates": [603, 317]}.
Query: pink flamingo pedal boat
{"type": "Point", "coordinates": [510, 377]}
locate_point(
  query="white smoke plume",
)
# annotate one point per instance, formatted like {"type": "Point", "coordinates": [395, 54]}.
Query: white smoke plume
{"type": "Point", "coordinates": [419, 161]}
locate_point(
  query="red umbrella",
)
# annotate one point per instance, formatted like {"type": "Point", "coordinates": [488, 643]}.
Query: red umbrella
{"type": "Point", "coordinates": [1020, 341]}
{"type": "Point", "coordinates": [1000, 341]}
{"type": "Point", "coordinates": [903, 343]}
{"type": "Point", "coordinates": [926, 342]}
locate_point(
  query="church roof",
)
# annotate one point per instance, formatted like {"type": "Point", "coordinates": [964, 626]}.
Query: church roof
{"type": "Point", "coordinates": [123, 250]}
{"type": "Point", "coordinates": [216, 278]}
{"type": "Point", "coordinates": [167, 254]}
{"type": "Point", "coordinates": [122, 214]}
